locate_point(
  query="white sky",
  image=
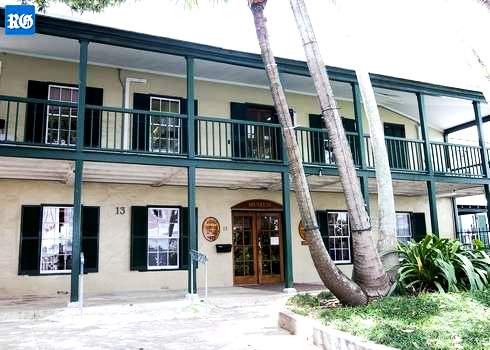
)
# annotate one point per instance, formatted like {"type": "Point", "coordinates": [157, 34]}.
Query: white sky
{"type": "Point", "coordinates": [414, 39]}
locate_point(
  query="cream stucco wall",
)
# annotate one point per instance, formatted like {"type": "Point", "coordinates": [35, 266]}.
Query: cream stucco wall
{"type": "Point", "coordinates": [114, 238]}
{"type": "Point", "coordinates": [213, 98]}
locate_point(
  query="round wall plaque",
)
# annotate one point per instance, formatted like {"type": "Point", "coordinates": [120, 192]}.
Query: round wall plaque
{"type": "Point", "coordinates": [210, 229]}
{"type": "Point", "coordinates": [301, 230]}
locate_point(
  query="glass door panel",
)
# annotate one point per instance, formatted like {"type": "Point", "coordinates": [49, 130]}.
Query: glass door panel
{"type": "Point", "coordinates": [269, 244]}
{"type": "Point", "coordinates": [244, 253]}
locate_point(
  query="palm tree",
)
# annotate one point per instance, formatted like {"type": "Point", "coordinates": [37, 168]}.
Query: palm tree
{"type": "Point", "coordinates": [387, 240]}
{"type": "Point", "coordinates": [368, 269]}
{"type": "Point", "coordinates": [341, 286]}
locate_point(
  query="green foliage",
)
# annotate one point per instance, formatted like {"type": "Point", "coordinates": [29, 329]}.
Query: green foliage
{"type": "Point", "coordinates": [436, 264]}
{"type": "Point", "coordinates": [77, 5]}
{"type": "Point", "coordinates": [430, 321]}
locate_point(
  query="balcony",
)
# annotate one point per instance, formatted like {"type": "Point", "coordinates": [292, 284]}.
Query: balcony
{"type": "Point", "coordinates": [52, 124]}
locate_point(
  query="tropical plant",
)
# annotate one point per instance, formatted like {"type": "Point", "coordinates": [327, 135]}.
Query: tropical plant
{"type": "Point", "coordinates": [439, 264]}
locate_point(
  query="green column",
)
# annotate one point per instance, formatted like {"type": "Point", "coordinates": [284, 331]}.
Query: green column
{"type": "Point", "coordinates": [431, 184]}
{"type": "Point", "coordinates": [288, 244]}
{"type": "Point", "coordinates": [431, 193]}
{"type": "Point", "coordinates": [190, 107]}
{"type": "Point", "coordinates": [191, 204]}
{"type": "Point", "coordinates": [364, 180]}
{"type": "Point", "coordinates": [484, 154]}
{"type": "Point", "coordinates": [425, 133]}
{"type": "Point", "coordinates": [77, 188]}
{"type": "Point", "coordinates": [361, 145]}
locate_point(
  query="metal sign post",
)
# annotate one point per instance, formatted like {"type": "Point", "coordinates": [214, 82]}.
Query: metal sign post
{"type": "Point", "coordinates": [203, 259]}
{"type": "Point", "coordinates": [82, 262]}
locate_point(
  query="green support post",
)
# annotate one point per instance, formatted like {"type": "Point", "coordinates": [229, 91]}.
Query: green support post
{"type": "Point", "coordinates": [457, 226]}
{"type": "Point", "coordinates": [484, 154]}
{"type": "Point", "coordinates": [431, 184]}
{"type": "Point", "coordinates": [288, 244]}
{"type": "Point", "coordinates": [191, 204]}
{"type": "Point", "coordinates": [364, 180]}
{"type": "Point", "coordinates": [190, 107]}
{"type": "Point", "coordinates": [77, 188]}
{"type": "Point", "coordinates": [361, 145]}
{"type": "Point", "coordinates": [431, 193]}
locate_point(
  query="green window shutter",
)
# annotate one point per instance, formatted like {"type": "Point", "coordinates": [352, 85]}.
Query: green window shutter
{"type": "Point", "coordinates": [90, 238]}
{"type": "Point", "coordinates": [322, 218]}
{"type": "Point", "coordinates": [35, 124]}
{"type": "Point", "coordinates": [139, 238]}
{"type": "Point", "coordinates": [30, 239]}
{"type": "Point", "coordinates": [184, 237]}
{"type": "Point", "coordinates": [419, 229]}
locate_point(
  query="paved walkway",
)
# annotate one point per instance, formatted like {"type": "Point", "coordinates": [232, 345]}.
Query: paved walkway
{"type": "Point", "coordinates": [237, 318]}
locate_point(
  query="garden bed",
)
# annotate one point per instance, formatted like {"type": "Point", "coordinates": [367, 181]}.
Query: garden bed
{"type": "Point", "coordinates": [452, 321]}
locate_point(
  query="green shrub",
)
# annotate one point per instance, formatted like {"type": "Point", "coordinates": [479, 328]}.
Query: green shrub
{"type": "Point", "coordinates": [437, 264]}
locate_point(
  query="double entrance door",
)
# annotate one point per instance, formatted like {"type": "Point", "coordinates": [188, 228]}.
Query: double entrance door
{"type": "Point", "coordinates": [257, 247]}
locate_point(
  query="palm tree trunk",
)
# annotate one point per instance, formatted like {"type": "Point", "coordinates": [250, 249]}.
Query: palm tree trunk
{"type": "Point", "coordinates": [386, 201]}
{"type": "Point", "coordinates": [368, 269]}
{"type": "Point", "coordinates": [340, 285]}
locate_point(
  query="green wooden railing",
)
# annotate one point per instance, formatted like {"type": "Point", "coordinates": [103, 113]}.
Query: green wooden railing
{"type": "Point", "coordinates": [403, 154]}
{"type": "Point", "coordinates": [28, 121]}
{"type": "Point", "coordinates": [238, 139]}
{"type": "Point", "coordinates": [316, 148]}
{"type": "Point", "coordinates": [456, 160]}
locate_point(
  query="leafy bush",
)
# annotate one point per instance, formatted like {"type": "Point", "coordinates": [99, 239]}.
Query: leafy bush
{"type": "Point", "coordinates": [437, 264]}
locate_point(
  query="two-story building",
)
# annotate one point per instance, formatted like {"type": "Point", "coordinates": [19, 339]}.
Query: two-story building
{"type": "Point", "coordinates": [133, 149]}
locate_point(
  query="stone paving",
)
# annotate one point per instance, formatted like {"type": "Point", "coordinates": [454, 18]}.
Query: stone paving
{"type": "Point", "coordinates": [237, 318]}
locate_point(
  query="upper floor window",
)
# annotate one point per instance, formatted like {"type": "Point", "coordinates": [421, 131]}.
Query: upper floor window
{"type": "Point", "coordinates": [403, 227]}
{"type": "Point", "coordinates": [163, 238]}
{"type": "Point", "coordinates": [61, 121]}
{"type": "Point", "coordinates": [56, 239]}
{"type": "Point", "coordinates": [165, 131]}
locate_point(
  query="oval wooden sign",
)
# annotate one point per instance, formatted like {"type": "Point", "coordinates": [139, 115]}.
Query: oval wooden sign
{"type": "Point", "coordinates": [301, 230]}
{"type": "Point", "coordinates": [211, 229]}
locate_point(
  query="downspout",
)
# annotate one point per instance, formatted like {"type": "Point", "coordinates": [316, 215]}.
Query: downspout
{"type": "Point", "coordinates": [127, 116]}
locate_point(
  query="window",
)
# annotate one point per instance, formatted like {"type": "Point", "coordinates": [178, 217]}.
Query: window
{"type": "Point", "coordinates": [165, 130]}
{"type": "Point", "coordinates": [56, 239]}
{"type": "Point", "coordinates": [338, 244]}
{"type": "Point", "coordinates": [403, 227]}
{"type": "Point", "coordinates": [62, 121]}
{"type": "Point", "coordinates": [163, 238]}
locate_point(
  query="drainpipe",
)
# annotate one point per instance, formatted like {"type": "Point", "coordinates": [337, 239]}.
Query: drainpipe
{"type": "Point", "coordinates": [127, 116]}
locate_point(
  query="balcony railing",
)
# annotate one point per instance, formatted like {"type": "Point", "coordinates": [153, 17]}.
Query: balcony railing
{"type": "Point", "coordinates": [316, 148]}
{"type": "Point", "coordinates": [26, 121]}
{"type": "Point", "coordinates": [456, 160]}
{"type": "Point", "coordinates": [468, 238]}
{"type": "Point", "coordinates": [403, 154]}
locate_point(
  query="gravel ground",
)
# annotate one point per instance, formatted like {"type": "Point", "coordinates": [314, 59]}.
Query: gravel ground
{"type": "Point", "coordinates": [243, 321]}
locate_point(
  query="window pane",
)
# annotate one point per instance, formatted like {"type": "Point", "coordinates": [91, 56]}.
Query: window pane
{"type": "Point", "coordinates": [54, 93]}
{"type": "Point", "coordinates": [339, 236]}
{"type": "Point", "coordinates": [163, 237]}
{"type": "Point", "coordinates": [403, 227]}
{"type": "Point", "coordinates": [56, 239]}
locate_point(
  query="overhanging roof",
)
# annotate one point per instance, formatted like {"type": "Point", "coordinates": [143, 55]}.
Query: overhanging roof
{"type": "Point", "coordinates": [110, 36]}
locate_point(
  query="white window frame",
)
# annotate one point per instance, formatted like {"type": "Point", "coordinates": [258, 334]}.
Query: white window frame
{"type": "Point", "coordinates": [159, 124]}
{"type": "Point", "coordinates": [56, 240]}
{"type": "Point", "coordinates": [48, 115]}
{"type": "Point", "coordinates": [410, 236]}
{"type": "Point", "coordinates": [161, 236]}
{"type": "Point", "coordinates": [333, 251]}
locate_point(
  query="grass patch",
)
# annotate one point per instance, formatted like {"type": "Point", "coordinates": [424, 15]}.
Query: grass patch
{"type": "Point", "coordinates": [453, 321]}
